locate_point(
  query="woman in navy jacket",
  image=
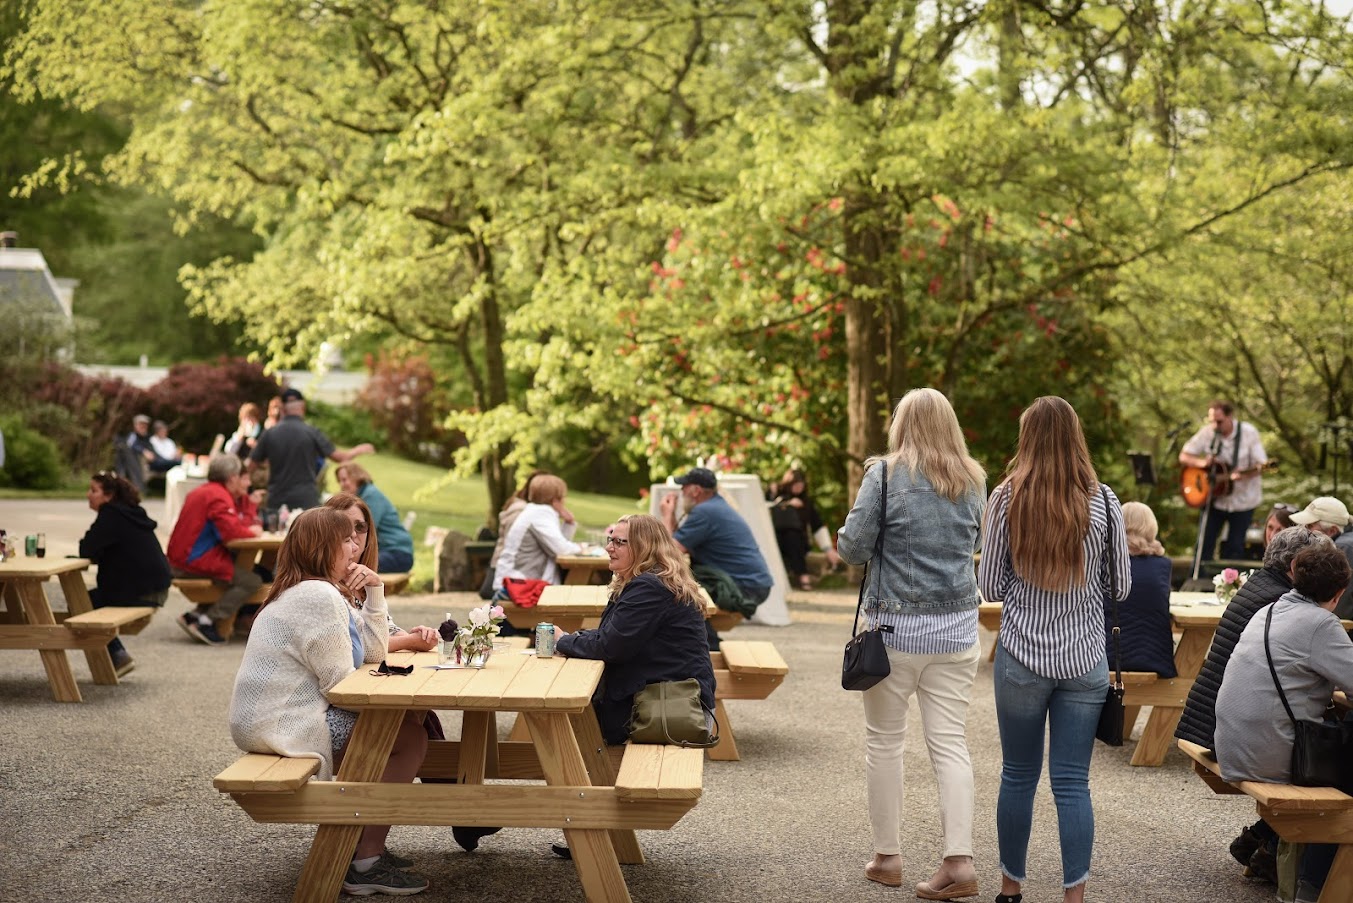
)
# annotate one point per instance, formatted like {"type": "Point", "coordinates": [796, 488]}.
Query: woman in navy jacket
{"type": "Point", "coordinates": [652, 630]}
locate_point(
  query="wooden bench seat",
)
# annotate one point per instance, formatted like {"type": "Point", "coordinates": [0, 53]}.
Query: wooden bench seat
{"type": "Point", "coordinates": [131, 619]}
{"type": "Point", "coordinates": [202, 591]}
{"type": "Point", "coordinates": [725, 620]}
{"type": "Point", "coordinates": [394, 583]}
{"type": "Point", "coordinates": [743, 669]}
{"type": "Point", "coordinates": [262, 773]}
{"type": "Point", "coordinates": [660, 772]}
{"type": "Point", "coordinates": [1296, 814]}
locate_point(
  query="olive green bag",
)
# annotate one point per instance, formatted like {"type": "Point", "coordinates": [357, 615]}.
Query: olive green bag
{"type": "Point", "coordinates": [670, 712]}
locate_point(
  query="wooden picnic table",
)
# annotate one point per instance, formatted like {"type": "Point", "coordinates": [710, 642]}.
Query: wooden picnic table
{"type": "Point", "coordinates": [597, 806]}
{"type": "Point", "coordinates": [582, 568]}
{"type": "Point", "coordinates": [29, 623]}
{"type": "Point", "coordinates": [1194, 616]}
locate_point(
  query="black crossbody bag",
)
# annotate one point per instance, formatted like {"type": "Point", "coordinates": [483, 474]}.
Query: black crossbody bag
{"type": "Point", "coordinates": [1322, 751]}
{"type": "Point", "coordinates": [1110, 727]}
{"type": "Point", "coordinates": [865, 662]}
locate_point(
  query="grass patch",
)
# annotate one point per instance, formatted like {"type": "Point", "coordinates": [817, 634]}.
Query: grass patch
{"type": "Point", "coordinates": [464, 505]}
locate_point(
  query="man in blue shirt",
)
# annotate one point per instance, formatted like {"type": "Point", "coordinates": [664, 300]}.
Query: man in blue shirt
{"type": "Point", "coordinates": [721, 545]}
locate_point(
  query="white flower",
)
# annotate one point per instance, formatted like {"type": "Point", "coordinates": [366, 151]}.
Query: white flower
{"type": "Point", "coordinates": [479, 616]}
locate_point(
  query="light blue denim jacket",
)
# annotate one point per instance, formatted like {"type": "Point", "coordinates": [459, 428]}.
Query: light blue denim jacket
{"type": "Point", "coordinates": [928, 544]}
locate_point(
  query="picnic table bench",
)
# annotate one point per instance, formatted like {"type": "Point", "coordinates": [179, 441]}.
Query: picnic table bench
{"type": "Point", "coordinates": [597, 795]}
{"type": "Point", "coordinates": [28, 621]}
{"type": "Point", "coordinates": [1296, 814]}
{"type": "Point", "coordinates": [261, 549]}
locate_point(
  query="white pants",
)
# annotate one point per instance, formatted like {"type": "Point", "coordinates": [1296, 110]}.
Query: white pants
{"type": "Point", "coordinates": [943, 687]}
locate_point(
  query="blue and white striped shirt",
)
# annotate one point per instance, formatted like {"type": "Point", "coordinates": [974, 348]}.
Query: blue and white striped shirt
{"type": "Point", "coordinates": [927, 633]}
{"type": "Point", "coordinates": [1058, 635]}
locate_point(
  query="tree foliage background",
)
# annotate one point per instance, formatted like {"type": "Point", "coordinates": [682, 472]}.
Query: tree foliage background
{"type": "Point", "coordinates": [666, 229]}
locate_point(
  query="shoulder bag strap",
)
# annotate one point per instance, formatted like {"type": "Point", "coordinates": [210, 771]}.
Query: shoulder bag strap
{"type": "Point", "coordinates": [1113, 600]}
{"type": "Point", "coordinates": [873, 565]}
{"type": "Point", "coordinates": [685, 744]}
{"type": "Point", "coordinates": [1268, 622]}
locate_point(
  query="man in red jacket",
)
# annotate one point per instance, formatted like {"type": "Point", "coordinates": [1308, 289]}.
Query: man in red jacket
{"type": "Point", "coordinates": [212, 516]}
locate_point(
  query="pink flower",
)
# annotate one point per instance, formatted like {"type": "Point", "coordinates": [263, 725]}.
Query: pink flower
{"type": "Point", "coordinates": [1230, 575]}
{"type": "Point", "coordinates": [496, 611]}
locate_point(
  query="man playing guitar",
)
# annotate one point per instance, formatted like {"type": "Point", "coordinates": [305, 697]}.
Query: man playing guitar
{"type": "Point", "coordinates": [1229, 449]}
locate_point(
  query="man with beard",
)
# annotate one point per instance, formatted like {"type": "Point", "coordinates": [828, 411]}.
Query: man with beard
{"type": "Point", "coordinates": [725, 559]}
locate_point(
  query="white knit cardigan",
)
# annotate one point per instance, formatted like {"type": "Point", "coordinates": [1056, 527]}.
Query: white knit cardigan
{"type": "Point", "coordinates": [299, 647]}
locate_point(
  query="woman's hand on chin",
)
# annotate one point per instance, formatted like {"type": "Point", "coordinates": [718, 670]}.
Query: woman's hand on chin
{"type": "Point", "coordinates": [359, 577]}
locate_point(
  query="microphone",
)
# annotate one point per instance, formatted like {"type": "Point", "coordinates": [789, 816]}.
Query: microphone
{"type": "Point", "coordinates": [1177, 430]}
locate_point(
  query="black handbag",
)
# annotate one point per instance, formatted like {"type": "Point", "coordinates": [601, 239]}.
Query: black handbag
{"type": "Point", "coordinates": [1322, 751]}
{"type": "Point", "coordinates": [865, 662]}
{"type": "Point", "coordinates": [1110, 727]}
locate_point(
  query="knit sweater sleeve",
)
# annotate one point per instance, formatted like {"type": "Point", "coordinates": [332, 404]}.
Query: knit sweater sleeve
{"type": "Point", "coordinates": [374, 620]}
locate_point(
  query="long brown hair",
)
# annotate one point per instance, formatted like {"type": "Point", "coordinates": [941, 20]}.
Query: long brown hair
{"type": "Point", "coordinates": [1049, 484]}
{"type": "Point", "coordinates": [652, 551]}
{"type": "Point", "coordinates": [314, 542]}
{"type": "Point", "coordinates": [342, 501]}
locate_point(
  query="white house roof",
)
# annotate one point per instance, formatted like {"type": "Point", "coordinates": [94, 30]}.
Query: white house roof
{"type": "Point", "coordinates": [24, 276]}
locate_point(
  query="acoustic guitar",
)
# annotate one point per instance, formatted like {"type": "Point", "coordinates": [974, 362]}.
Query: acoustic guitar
{"type": "Point", "coordinates": [1197, 483]}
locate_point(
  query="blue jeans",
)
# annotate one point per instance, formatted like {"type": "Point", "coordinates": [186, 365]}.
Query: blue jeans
{"type": "Point", "coordinates": [1026, 704]}
{"type": "Point", "coordinates": [1237, 523]}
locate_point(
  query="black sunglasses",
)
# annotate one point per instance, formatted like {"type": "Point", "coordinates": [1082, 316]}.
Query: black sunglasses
{"type": "Point", "coordinates": [385, 670]}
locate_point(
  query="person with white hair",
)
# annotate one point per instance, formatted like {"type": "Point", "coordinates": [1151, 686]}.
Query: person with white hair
{"type": "Point", "coordinates": [1330, 516]}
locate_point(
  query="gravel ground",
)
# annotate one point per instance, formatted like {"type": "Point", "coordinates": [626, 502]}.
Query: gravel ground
{"type": "Point", "coordinates": [111, 799]}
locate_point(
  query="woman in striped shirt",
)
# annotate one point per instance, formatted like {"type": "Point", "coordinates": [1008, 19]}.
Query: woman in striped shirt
{"type": "Point", "coordinates": [922, 594]}
{"type": "Point", "coordinates": [1046, 556]}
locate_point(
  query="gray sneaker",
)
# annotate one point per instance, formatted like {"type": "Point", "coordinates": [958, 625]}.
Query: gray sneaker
{"type": "Point", "coordinates": [382, 878]}
{"type": "Point", "coordinates": [200, 627]}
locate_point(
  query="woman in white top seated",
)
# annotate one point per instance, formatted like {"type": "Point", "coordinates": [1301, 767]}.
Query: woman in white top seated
{"type": "Point", "coordinates": [542, 532]}
{"type": "Point", "coordinates": [325, 616]}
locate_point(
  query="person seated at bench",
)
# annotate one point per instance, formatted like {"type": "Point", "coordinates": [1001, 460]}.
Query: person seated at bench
{"type": "Point", "coordinates": [121, 541]}
{"type": "Point", "coordinates": [323, 619]}
{"type": "Point", "coordinates": [1300, 643]}
{"type": "Point", "coordinates": [396, 545]}
{"type": "Point", "coordinates": [1145, 641]}
{"type": "Point", "coordinates": [541, 533]}
{"type": "Point", "coordinates": [420, 639]}
{"type": "Point", "coordinates": [213, 514]}
{"type": "Point", "coordinates": [1253, 848]}
{"type": "Point", "coordinates": [514, 506]}
{"type": "Point", "coordinates": [652, 630]}
{"type": "Point", "coordinates": [166, 450]}
{"type": "Point", "coordinates": [140, 441]}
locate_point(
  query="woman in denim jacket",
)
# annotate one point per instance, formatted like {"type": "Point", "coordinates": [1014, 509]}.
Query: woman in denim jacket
{"type": "Point", "coordinates": [922, 592]}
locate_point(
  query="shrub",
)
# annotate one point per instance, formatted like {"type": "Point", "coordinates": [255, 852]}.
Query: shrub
{"type": "Point", "coordinates": [407, 405]}
{"type": "Point", "coordinates": [83, 415]}
{"type": "Point", "coordinates": [345, 426]}
{"type": "Point", "coordinates": [200, 400]}
{"type": "Point", "coordinates": [32, 461]}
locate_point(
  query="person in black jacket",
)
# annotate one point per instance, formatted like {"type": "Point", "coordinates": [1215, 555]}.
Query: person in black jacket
{"type": "Point", "coordinates": [122, 542]}
{"type": "Point", "coordinates": [1254, 847]}
{"type": "Point", "coordinates": [1144, 638]}
{"type": "Point", "coordinates": [652, 630]}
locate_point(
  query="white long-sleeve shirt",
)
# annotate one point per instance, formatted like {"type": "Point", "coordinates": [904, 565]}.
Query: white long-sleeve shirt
{"type": "Point", "coordinates": [537, 537]}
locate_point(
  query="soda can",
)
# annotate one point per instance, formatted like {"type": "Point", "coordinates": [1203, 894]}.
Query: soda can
{"type": "Point", "coordinates": [544, 640]}
{"type": "Point", "coordinates": [30, 544]}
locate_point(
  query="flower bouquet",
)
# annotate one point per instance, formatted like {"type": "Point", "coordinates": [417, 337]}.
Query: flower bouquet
{"type": "Point", "coordinates": [474, 643]}
{"type": "Point", "coordinates": [1228, 583]}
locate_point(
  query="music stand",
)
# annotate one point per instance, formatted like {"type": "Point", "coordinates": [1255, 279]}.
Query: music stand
{"type": "Point", "coordinates": [1142, 468]}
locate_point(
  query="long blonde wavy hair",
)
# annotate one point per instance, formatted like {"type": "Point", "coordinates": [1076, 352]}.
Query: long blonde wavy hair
{"type": "Point", "coordinates": [1049, 484]}
{"type": "Point", "coordinates": [653, 551]}
{"type": "Point", "coordinates": [925, 438]}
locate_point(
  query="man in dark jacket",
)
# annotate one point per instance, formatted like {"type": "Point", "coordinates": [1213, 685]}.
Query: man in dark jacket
{"type": "Point", "coordinates": [1199, 720]}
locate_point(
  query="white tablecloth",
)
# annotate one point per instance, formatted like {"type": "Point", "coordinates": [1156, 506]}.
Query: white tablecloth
{"type": "Point", "coordinates": [743, 492]}
{"type": "Point", "coordinates": [177, 485]}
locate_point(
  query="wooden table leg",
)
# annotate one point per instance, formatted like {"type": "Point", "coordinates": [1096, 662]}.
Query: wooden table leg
{"type": "Point", "coordinates": [598, 763]}
{"type": "Point", "coordinates": [38, 611]}
{"type": "Point", "coordinates": [478, 747]}
{"type": "Point", "coordinates": [77, 603]}
{"type": "Point", "coordinates": [1158, 735]}
{"type": "Point", "coordinates": [367, 753]}
{"type": "Point", "coordinates": [562, 761]}
{"type": "Point", "coordinates": [726, 750]}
